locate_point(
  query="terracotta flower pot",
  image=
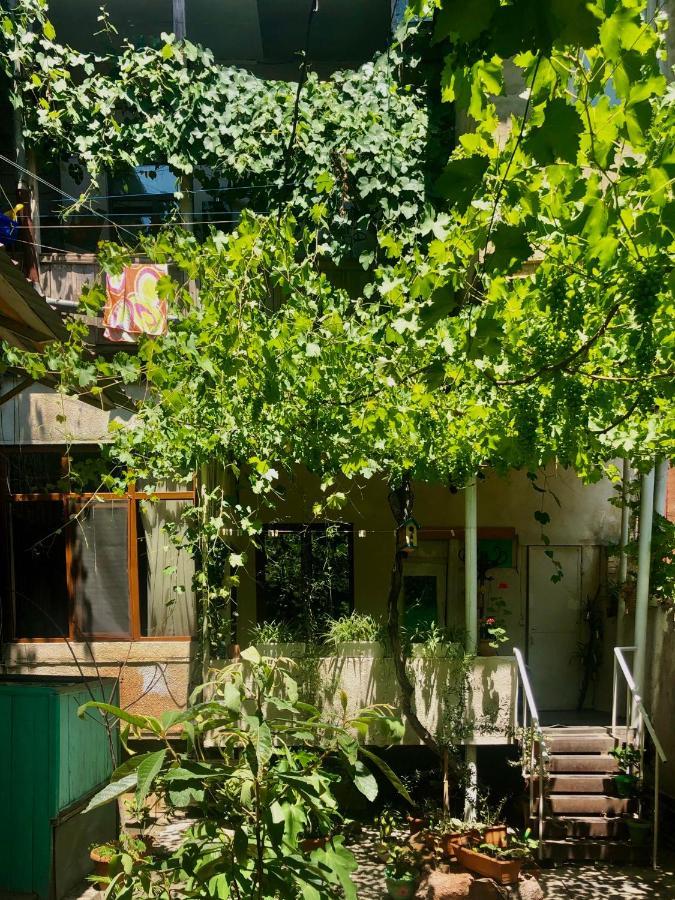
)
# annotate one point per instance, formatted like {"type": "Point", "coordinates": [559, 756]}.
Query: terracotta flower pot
{"type": "Point", "coordinates": [495, 835]}
{"type": "Point", "coordinates": [484, 648]}
{"type": "Point", "coordinates": [101, 867]}
{"type": "Point", "coordinates": [401, 888]}
{"type": "Point", "coordinates": [416, 823]}
{"type": "Point", "coordinates": [504, 871]}
{"type": "Point", "coordinates": [449, 841]}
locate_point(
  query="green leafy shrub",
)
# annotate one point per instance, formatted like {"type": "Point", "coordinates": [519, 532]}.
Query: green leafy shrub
{"type": "Point", "coordinates": [269, 788]}
{"type": "Point", "coordinates": [357, 627]}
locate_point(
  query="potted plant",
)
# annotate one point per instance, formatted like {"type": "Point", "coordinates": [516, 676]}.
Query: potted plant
{"type": "Point", "coordinates": [402, 872]}
{"type": "Point", "coordinates": [386, 822]}
{"type": "Point", "coordinates": [639, 830]}
{"type": "Point", "coordinates": [102, 855]}
{"type": "Point", "coordinates": [432, 643]}
{"type": "Point", "coordinates": [357, 635]}
{"type": "Point", "coordinates": [502, 864]}
{"type": "Point", "coordinates": [116, 856]}
{"type": "Point", "coordinates": [455, 832]}
{"type": "Point", "coordinates": [276, 640]}
{"type": "Point", "coordinates": [491, 635]}
{"type": "Point", "coordinates": [628, 759]}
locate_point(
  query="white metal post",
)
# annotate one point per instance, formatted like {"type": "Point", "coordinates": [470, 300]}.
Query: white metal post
{"type": "Point", "coordinates": [661, 485]}
{"type": "Point", "coordinates": [642, 590]}
{"type": "Point", "coordinates": [471, 795]}
{"type": "Point", "coordinates": [623, 556]}
{"type": "Point", "coordinates": [471, 565]}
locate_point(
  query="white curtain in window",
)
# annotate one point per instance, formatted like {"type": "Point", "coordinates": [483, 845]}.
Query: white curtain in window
{"type": "Point", "coordinates": [170, 608]}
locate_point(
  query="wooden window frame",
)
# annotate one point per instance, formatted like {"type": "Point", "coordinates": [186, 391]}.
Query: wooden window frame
{"type": "Point", "coordinates": [71, 500]}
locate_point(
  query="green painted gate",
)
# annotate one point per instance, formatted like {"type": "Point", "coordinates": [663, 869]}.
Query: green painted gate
{"type": "Point", "coordinates": [50, 760]}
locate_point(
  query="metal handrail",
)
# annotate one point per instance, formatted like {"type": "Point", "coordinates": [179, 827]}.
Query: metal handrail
{"type": "Point", "coordinates": [636, 714]}
{"type": "Point", "coordinates": [530, 706]}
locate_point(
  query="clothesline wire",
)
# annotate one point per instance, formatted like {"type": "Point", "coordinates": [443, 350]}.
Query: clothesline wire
{"type": "Point", "coordinates": [222, 190]}
{"type": "Point", "coordinates": [58, 190]}
{"type": "Point", "coordinates": [178, 224]}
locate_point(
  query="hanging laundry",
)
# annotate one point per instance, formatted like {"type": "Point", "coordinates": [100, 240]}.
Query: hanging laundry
{"type": "Point", "coordinates": [132, 305]}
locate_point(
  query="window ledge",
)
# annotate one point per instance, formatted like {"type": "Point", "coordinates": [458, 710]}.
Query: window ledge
{"type": "Point", "coordinates": [59, 653]}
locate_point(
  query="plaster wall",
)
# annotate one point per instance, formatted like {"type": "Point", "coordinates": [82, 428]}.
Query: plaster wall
{"type": "Point", "coordinates": [585, 518]}
{"type": "Point", "coordinates": [39, 415]}
{"type": "Point", "coordinates": [153, 675]}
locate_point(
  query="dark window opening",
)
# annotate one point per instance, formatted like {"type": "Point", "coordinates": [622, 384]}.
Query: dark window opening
{"type": "Point", "coordinates": [39, 568]}
{"type": "Point", "coordinates": [305, 576]}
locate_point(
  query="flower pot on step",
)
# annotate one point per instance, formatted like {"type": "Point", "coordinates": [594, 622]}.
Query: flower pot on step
{"type": "Point", "coordinates": [401, 888]}
{"type": "Point", "coordinates": [626, 785]}
{"type": "Point", "coordinates": [416, 823]}
{"type": "Point", "coordinates": [502, 871]}
{"type": "Point", "coordinates": [495, 835]}
{"type": "Point", "coordinates": [639, 831]}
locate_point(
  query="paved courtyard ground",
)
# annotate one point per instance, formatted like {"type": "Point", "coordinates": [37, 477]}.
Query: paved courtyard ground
{"type": "Point", "coordinates": [593, 882]}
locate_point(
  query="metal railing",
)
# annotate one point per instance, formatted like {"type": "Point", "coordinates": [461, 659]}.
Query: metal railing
{"type": "Point", "coordinates": [537, 746]}
{"type": "Point", "coordinates": [637, 721]}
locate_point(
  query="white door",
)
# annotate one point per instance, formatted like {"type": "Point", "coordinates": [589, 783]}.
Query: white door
{"type": "Point", "coordinates": [554, 615]}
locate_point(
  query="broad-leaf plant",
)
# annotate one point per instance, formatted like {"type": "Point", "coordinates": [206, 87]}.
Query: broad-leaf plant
{"type": "Point", "coordinates": [255, 770]}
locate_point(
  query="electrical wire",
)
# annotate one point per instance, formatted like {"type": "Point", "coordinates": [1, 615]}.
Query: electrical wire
{"type": "Point", "coordinates": [58, 190]}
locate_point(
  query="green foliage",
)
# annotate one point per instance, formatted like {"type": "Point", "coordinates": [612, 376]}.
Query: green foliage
{"type": "Point", "coordinates": [360, 140]}
{"type": "Point", "coordinates": [355, 627]}
{"type": "Point", "coordinates": [269, 787]}
{"type": "Point", "coordinates": [272, 632]}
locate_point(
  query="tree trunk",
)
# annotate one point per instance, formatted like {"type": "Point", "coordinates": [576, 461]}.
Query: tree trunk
{"type": "Point", "coordinates": [400, 503]}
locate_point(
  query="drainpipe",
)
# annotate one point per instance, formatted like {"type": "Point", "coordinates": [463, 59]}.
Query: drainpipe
{"type": "Point", "coordinates": [623, 556]}
{"type": "Point", "coordinates": [471, 624]}
{"type": "Point", "coordinates": [642, 591]}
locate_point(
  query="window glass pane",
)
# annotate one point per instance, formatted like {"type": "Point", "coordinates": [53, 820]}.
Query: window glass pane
{"type": "Point", "coordinates": [307, 576]}
{"type": "Point", "coordinates": [165, 571]}
{"type": "Point", "coordinates": [100, 569]}
{"type": "Point", "coordinates": [420, 603]}
{"type": "Point", "coordinates": [39, 561]}
{"type": "Point", "coordinates": [34, 473]}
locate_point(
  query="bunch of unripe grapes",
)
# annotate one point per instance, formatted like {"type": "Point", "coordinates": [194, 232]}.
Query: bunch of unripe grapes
{"type": "Point", "coordinates": [644, 285]}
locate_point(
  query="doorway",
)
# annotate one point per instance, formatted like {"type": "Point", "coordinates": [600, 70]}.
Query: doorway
{"type": "Point", "coordinates": [554, 617]}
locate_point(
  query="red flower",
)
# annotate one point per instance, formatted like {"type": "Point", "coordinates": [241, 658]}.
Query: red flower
{"type": "Point", "coordinates": [502, 585]}
{"type": "Point", "coordinates": [490, 621]}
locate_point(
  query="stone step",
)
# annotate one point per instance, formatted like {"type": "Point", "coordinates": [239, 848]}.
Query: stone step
{"type": "Point", "coordinates": [595, 850]}
{"type": "Point", "coordinates": [579, 784]}
{"type": "Point", "coordinates": [583, 763]}
{"type": "Point", "coordinates": [590, 805]}
{"type": "Point", "coordinates": [578, 743]}
{"type": "Point", "coordinates": [562, 827]}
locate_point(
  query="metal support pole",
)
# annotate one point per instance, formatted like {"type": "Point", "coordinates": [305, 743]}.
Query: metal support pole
{"type": "Point", "coordinates": [642, 591]}
{"type": "Point", "coordinates": [623, 556]}
{"type": "Point", "coordinates": [471, 565]}
{"type": "Point", "coordinates": [471, 795]}
{"type": "Point", "coordinates": [661, 485]}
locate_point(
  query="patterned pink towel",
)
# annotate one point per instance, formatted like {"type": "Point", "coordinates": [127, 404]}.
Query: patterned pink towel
{"type": "Point", "coordinates": [132, 306]}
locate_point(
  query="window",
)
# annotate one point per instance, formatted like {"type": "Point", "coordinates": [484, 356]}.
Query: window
{"type": "Point", "coordinates": [305, 575]}
{"type": "Point", "coordinates": [90, 565]}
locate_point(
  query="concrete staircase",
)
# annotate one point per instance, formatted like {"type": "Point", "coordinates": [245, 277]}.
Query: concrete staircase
{"type": "Point", "coordinates": [581, 809]}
